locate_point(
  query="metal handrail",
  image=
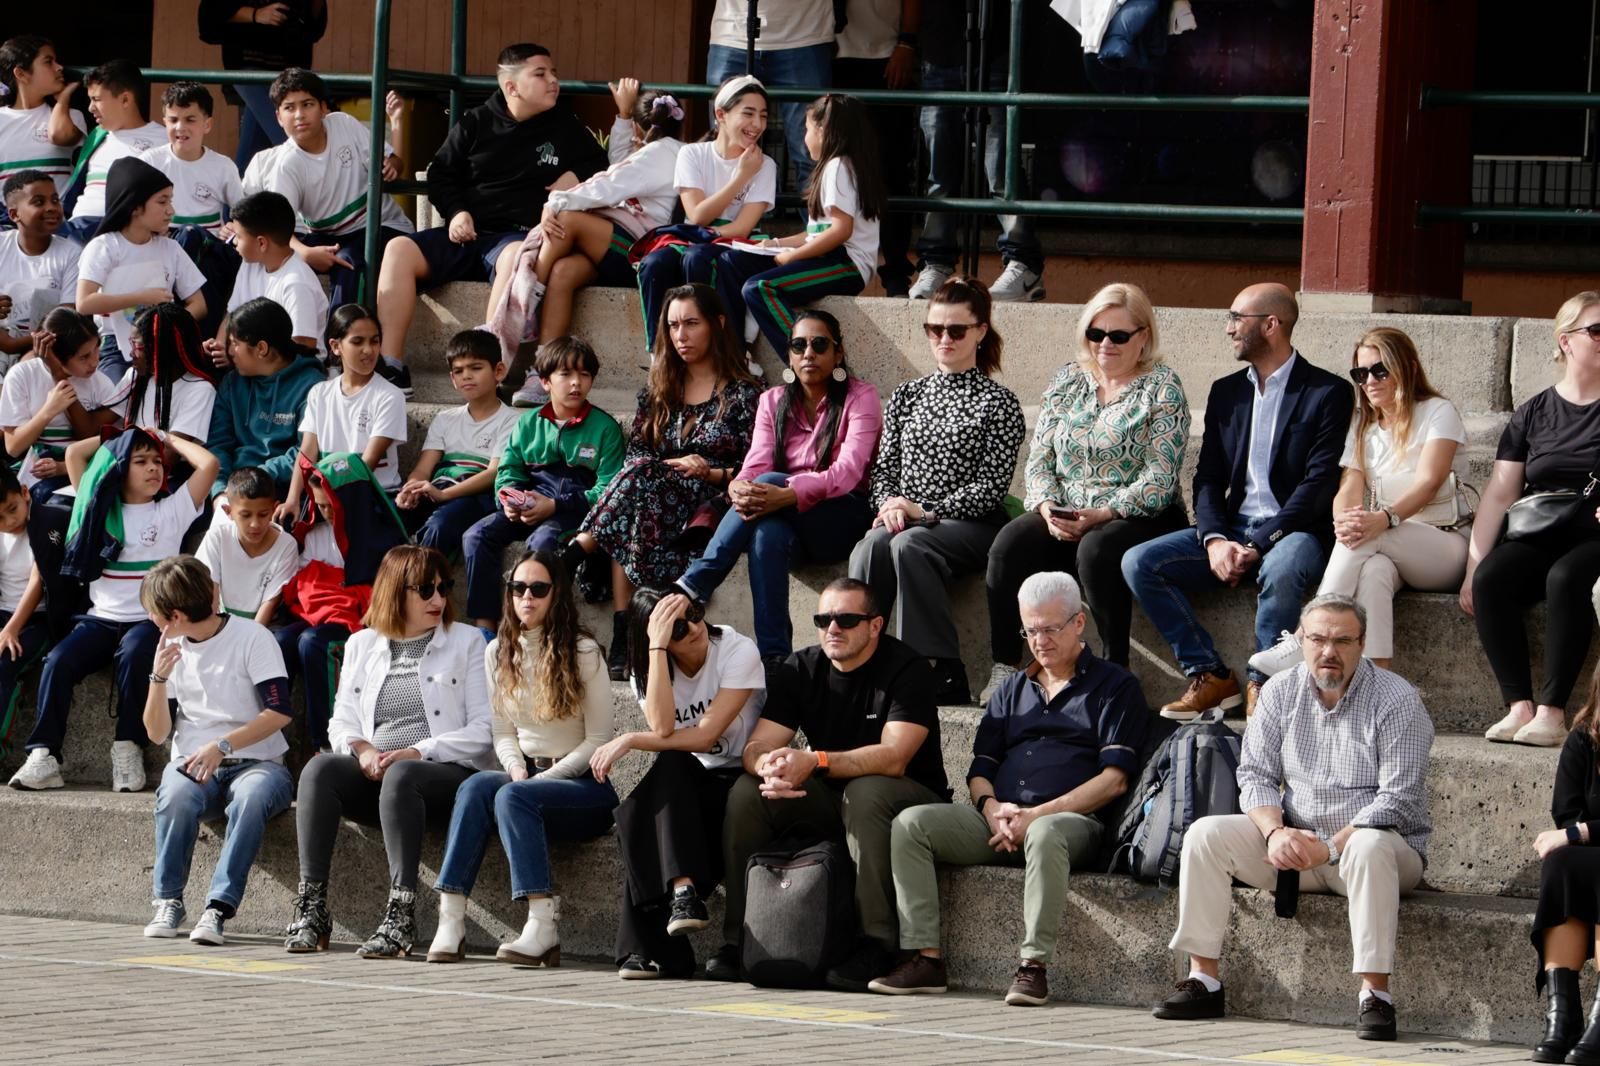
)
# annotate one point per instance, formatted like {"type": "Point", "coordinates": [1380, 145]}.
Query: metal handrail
{"type": "Point", "coordinates": [1433, 96]}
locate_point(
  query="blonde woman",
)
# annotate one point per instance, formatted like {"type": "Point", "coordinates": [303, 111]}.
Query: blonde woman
{"type": "Point", "coordinates": [1102, 473]}
{"type": "Point", "coordinates": [551, 705]}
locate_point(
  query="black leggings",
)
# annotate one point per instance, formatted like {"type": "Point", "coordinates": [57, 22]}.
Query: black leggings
{"type": "Point", "coordinates": [410, 794]}
{"type": "Point", "coordinates": [1515, 576]}
{"type": "Point", "coordinates": [1025, 547]}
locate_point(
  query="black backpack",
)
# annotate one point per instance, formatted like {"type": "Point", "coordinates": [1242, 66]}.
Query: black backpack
{"type": "Point", "coordinates": [799, 914]}
{"type": "Point", "coordinates": [1193, 774]}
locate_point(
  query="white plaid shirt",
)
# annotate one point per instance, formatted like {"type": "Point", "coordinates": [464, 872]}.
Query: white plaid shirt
{"type": "Point", "coordinates": [1363, 763]}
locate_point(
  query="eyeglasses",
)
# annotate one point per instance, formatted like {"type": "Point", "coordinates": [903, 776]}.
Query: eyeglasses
{"type": "Point", "coordinates": [1318, 640]}
{"type": "Point", "coordinates": [427, 589]}
{"type": "Point", "coordinates": [1119, 337]}
{"type": "Point", "coordinates": [1592, 329]}
{"type": "Point", "coordinates": [691, 614]}
{"type": "Point", "coordinates": [537, 589]}
{"type": "Point", "coordinates": [844, 619]}
{"type": "Point", "coordinates": [1377, 372]}
{"type": "Point", "coordinates": [957, 330]}
{"type": "Point", "coordinates": [1035, 632]}
{"type": "Point", "coordinates": [819, 345]}
{"type": "Point", "coordinates": [1232, 317]}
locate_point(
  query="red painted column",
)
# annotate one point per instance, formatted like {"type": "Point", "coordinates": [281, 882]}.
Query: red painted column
{"type": "Point", "coordinates": [1372, 155]}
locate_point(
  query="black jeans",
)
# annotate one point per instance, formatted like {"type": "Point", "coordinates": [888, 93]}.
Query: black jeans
{"type": "Point", "coordinates": [410, 795]}
{"type": "Point", "coordinates": [1513, 577]}
{"type": "Point", "coordinates": [1025, 547]}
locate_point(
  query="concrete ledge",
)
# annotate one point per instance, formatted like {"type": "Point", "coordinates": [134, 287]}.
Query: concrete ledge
{"type": "Point", "coordinates": [1533, 364]}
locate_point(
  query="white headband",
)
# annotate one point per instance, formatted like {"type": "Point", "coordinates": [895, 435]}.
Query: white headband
{"type": "Point", "coordinates": [738, 85]}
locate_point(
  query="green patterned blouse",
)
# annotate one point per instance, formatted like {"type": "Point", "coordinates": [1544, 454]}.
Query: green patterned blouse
{"type": "Point", "coordinates": [1124, 455]}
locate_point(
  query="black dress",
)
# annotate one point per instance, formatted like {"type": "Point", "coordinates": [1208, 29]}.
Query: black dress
{"type": "Point", "coordinates": [1569, 877]}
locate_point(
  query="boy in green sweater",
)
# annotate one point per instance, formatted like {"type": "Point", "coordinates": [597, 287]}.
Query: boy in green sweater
{"type": "Point", "coordinates": [558, 462]}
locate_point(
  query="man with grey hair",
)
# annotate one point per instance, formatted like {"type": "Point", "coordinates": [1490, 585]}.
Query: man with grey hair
{"type": "Point", "coordinates": [1331, 782]}
{"type": "Point", "coordinates": [1057, 743]}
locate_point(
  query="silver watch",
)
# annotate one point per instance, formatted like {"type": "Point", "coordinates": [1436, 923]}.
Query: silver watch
{"type": "Point", "coordinates": [224, 747]}
{"type": "Point", "coordinates": [1333, 851]}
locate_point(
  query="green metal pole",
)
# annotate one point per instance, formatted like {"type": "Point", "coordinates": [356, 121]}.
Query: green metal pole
{"type": "Point", "coordinates": [1013, 112]}
{"type": "Point", "coordinates": [380, 88]}
{"type": "Point", "coordinates": [458, 55]}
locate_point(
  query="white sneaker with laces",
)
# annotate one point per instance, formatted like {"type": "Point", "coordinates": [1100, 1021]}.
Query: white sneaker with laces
{"type": "Point", "coordinates": [929, 278]}
{"type": "Point", "coordinates": [1016, 284]}
{"type": "Point", "coordinates": [169, 915]}
{"type": "Point", "coordinates": [39, 772]}
{"type": "Point", "coordinates": [999, 673]}
{"type": "Point", "coordinates": [208, 930]}
{"type": "Point", "coordinates": [1284, 655]}
{"type": "Point", "coordinates": [531, 394]}
{"type": "Point", "coordinates": [127, 767]}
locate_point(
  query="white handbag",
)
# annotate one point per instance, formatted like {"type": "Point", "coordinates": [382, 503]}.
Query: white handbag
{"type": "Point", "coordinates": [1448, 509]}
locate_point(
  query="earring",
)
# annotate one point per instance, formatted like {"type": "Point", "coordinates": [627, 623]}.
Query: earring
{"type": "Point", "coordinates": [788, 375]}
{"type": "Point", "coordinates": [840, 373]}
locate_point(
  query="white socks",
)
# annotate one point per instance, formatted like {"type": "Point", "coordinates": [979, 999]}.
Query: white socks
{"type": "Point", "coordinates": [1386, 997]}
{"type": "Point", "coordinates": [1211, 983]}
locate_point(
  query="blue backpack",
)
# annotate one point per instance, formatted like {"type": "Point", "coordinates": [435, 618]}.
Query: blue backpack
{"type": "Point", "coordinates": [1193, 774]}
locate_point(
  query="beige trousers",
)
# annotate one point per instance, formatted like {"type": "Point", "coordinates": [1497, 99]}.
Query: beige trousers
{"type": "Point", "coordinates": [1414, 554]}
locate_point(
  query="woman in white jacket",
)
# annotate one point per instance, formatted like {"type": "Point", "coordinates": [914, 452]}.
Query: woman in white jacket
{"type": "Point", "coordinates": [410, 723]}
{"type": "Point", "coordinates": [552, 710]}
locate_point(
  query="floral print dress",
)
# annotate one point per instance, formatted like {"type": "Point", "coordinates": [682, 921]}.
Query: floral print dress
{"type": "Point", "coordinates": [649, 504]}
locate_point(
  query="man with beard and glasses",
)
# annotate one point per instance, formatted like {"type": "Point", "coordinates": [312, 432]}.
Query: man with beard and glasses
{"type": "Point", "coordinates": [1332, 785]}
{"type": "Point", "coordinates": [1263, 500]}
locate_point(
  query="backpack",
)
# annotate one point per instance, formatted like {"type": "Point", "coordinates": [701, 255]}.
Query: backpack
{"type": "Point", "coordinates": [1192, 775]}
{"type": "Point", "coordinates": [799, 914]}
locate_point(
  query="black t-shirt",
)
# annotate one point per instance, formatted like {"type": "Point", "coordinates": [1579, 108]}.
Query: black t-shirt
{"type": "Point", "coordinates": [1558, 442]}
{"type": "Point", "coordinates": [840, 711]}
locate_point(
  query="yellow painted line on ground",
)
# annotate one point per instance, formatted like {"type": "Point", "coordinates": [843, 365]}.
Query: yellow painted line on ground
{"type": "Point", "coordinates": [795, 1012]}
{"type": "Point", "coordinates": [219, 963]}
{"type": "Point", "coordinates": [1297, 1057]}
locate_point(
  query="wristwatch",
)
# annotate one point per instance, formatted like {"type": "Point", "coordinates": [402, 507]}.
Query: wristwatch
{"type": "Point", "coordinates": [224, 747]}
{"type": "Point", "coordinates": [1394, 519]}
{"type": "Point", "coordinates": [1333, 851]}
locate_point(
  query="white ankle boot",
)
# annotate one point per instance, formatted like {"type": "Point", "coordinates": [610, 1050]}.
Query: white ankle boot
{"type": "Point", "coordinates": [450, 939]}
{"type": "Point", "coordinates": [540, 942]}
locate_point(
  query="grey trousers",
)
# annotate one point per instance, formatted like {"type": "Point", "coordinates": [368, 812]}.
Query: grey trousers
{"type": "Point", "coordinates": [910, 571]}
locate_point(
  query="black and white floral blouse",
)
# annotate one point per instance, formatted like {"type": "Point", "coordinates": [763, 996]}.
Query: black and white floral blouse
{"type": "Point", "coordinates": [949, 444]}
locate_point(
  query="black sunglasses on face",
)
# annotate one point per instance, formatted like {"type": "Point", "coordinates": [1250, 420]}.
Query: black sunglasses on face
{"type": "Point", "coordinates": [1592, 329]}
{"type": "Point", "coordinates": [691, 614]}
{"type": "Point", "coordinates": [428, 588]}
{"type": "Point", "coordinates": [957, 330]}
{"type": "Point", "coordinates": [537, 589]}
{"type": "Point", "coordinates": [1119, 337]}
{"type": "Point", "coordinates": [1377, 372]}
{"type": "Point", "coordinates": [845, 619]}
{"type": "Point", "coordinates": [819, 345]}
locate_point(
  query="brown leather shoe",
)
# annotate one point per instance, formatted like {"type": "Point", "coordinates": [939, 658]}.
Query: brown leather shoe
{"type": "Point", "coordinates": [1205, 691]}
{"type": "Point", "coordinates": [1252, 693]}
{"type": "Point", "coordinates": [1028, 987]}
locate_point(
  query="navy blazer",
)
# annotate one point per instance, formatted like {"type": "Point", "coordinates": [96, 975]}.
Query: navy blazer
{"type": "Point", "coordinates": [1312, 425]}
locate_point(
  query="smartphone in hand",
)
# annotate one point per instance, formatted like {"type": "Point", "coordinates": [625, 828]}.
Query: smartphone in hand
{"type": "Point", "coordinates": [1064, 514]}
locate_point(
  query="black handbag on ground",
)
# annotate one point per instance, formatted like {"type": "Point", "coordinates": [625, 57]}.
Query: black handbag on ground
{"type": "Point", "coordinates": [799, 914]}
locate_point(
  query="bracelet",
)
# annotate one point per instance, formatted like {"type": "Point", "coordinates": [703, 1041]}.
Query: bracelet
{"type": "Point", "coordinates": [157, 679]}
{"type": "Point", "coordinates": [253, 13]}
{"type": "Point", "coordinates": [1574, 835]}
{"type": "Point", "coordinates": [983, 801]}
{"type": "Point", "coordinates": [659, 647]}
{"type": "Point", "coordinates": [1268, 838]}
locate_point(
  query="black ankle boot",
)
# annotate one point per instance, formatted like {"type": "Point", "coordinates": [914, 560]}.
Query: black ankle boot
{"type": "Point", "coordinates": [617, 662]}
{"type": "Point", "coordinates": [1586, 1052]}
{"type": "Point", "coordinates": [1563, 1016]}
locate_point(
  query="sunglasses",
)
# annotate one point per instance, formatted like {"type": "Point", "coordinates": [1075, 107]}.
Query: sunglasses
{"type": "Point", "coordinates": [819, 345]}
{"type": "Point", "coordinates": [844, 619]}
{"type": "Point", "coordinates": [691, 614]}
{"type": "Point", "coordinates": [1119, 337]}
{"type": "Point", "coordinates": [428, 588]}
{"type": "Point", "coordinates": [957, 330]}
{"type": "Point", "coordinates": [1592, 329]}
{"type": "Point", "coordinates": [537, 589]}
{"type": "Point", "coordinates": [1377, 372]}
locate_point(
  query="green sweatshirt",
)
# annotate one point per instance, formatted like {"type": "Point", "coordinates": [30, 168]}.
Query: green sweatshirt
{"type": "Point", "coordinates": [592, 444]}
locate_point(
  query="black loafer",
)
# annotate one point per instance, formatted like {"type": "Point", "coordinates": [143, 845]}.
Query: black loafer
{"type": "Point", "coordinates": [726, 965]}
{"type": "Point", "coordinates": [1190, 1002]}
{"type": "Point", "coordinates": [1376, 1020]}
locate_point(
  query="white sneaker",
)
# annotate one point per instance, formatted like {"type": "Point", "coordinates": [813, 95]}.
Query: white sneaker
{"type": "Point", "coordinates": [39, 772]}
{"type": "Point", "coordinates": [757, 371]}
{"type": "Point", "coordinates": [169, 915]}
{"type": "Point", "coordinates": [1284, 655]}
{"type": "Point", "coordinates": [208, 930]}
{"type": "Point", "coordinates": [127, 767]}
{"type": "Point", "coordinates": [1016, 284]}
{"type": "Point", "coordinates": [531, 394]}
{"type": "Point", "coordinates": [999, 673]}
{"type": "Point", "coordinates": [929, 278]}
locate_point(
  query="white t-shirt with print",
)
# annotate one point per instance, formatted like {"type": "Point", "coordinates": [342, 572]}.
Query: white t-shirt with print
{"type": "Point", "coordinates": [36, 283]}
{"type": "Point", "coordinates": [151, 532]}
{"type": "Point", "coordinates": [328, 191]}
{"type": "Point", "coordinates": [25, 144]}
{"type": "Point", "coordinates": [201, 188]}
{"type": "Point", "coordinates": [839, 190]}
{"type": "Point", "coordinates": [701, 166]}
{"type": "Point", "coordinates": [26, 386]}
{"type": "Point", "coordinates": [214, 684]}
{"type": "Point", "coordinates": [787, 24]}
{"type": "Point", "coordinates": [247, 583]}
{"type": "Point", "coordinates": [16, 565]}
{"type": "Point", "coordinates": [294, 286]}
{"type": "Point", "coordinates": [469, 447]}
{"type": "Point", "coordinates": [1433, 419]}
{"type": "Point", "coordinates": [347, 423]}
{"type": "Point", "coordinates": [192, 401]}
{"type": "Point", "coordinates": [321, 546]}
{"type": "Point", "coordinates": [119, 266]}
{"type": "Point", "coordinates": [118, 144]}
{"type": "Point", "coordinates": [732, 661]}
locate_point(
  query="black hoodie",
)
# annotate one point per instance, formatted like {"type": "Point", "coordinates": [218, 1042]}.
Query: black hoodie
{"type": "Point", "coordinates": [129, 186]}
{"type": "Point", "coordinates": [497, 168]}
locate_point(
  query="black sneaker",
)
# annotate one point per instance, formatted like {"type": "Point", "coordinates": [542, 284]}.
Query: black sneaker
{"type": "Point", "coordinates": [1190, 1002]}
{"type": "Point", "coordinates": [871, 960]}
{"type": "Point", "coordinates": [398, 376]}
{"type": "Point", "coordinates": [617, 658]}
{"type": "Point", "coordinates": [726, 965]}
{"type": "Point", "coordinates": [688, 912]}
{"type": "Point", "coordinates": [638, 968]}
{"type": "Point", "coordinates": [950, 687]}
{"type": "Point", "coordinates": [1376, 1020]}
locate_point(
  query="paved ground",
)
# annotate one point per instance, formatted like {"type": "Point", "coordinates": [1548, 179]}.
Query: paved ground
{"type": "Point", "coordinates": [81, 992]}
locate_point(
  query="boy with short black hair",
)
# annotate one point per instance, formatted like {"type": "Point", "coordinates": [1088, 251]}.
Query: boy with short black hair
{"type": "Point", "coordinates": [118, 98]}
{"type": "Point", "coordinates": [263, 225]}
{"type": "Point", "coordinates": [558, 462]}
{"type": "Point", "coordinates": [204, 182]}
{"type": "Point", "coordinates": [38, 268]}
{"type": "Point", "coordinates": [249, 557]}
{"type": "Point", "coordinates": [220, 690]}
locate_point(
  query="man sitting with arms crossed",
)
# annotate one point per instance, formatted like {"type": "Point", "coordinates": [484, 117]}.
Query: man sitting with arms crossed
{"type": "Point", "coordinates": [865, 702]}
{"type": "Point", "coordinates": [1058, 742]}
{"type": "Point", "coordinates": [1331, 780]}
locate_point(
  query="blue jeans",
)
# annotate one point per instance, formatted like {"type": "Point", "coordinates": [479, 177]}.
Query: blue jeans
{"type": "Point", "coordinates": [810, 67]}
{"type": "Point", "coordinates": [93, 643]}
{"type": "Point", "coordinates": [1159, 571]}
{"type": "Point", "coordinates": [947, 159]}
{"type": "Point", "coordinates": [526, 812]}
{"type": "Point", "coordinates": [250, 794]}
{"type": "Point", "coordinates": [258, 124]}
{"type": "Point", "coordinates": [826, 533]}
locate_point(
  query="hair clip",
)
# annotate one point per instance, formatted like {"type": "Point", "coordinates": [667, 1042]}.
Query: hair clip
{"type": "Point", "coordinates": [5, 90]}
{"type": "Point", "coordinates": [673, 107]}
